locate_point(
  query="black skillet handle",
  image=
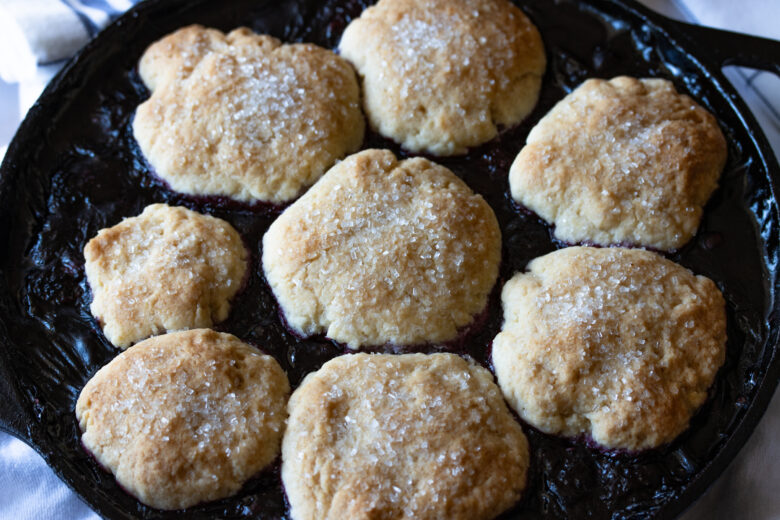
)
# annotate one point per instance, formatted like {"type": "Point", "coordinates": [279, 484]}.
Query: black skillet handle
{"type": "Point", "coordinates": [731, 48]}
{"type": "Point", "coordinates": [13, 417]}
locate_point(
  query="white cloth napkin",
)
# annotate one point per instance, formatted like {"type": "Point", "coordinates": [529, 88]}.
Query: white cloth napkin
{"type": "Point", "coordinates": [45, 31]}
{"type": "Point", "coordinates": [36, 34]}
{"type": "Point", "coordinates": [29, 489]}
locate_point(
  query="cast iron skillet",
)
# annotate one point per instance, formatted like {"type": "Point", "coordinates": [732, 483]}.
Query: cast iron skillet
{"type": "Point", "coordinates": [74, 168]}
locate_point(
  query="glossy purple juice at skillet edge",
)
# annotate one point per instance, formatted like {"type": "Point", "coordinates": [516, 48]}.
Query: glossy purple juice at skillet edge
{"type": "Point", "coordinates": [89, 174]}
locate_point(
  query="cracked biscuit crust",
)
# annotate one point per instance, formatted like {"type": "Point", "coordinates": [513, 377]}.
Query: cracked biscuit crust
{"type": "Point", "coordinates": [442, 75]}
{"type": "Point", "coordinates": [624, 161]}
{"type": "Point", "coordinates": [243, 115]}
{"type": "Point", "coordinates": [382, 251]}
{"type": "Point", "coordinates": [409, 436]}
{"type": "Point", "coordinates": [186, 417]}
{"type": "Point", "coordinates": [167, 269]}
{"type": "Point", "coordinates": [617, 344]}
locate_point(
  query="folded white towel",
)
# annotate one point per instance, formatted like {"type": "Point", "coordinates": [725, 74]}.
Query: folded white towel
{"type": "Point", "coordinates": [757, 17]}
{"type": "Point", "coordinates": [39, 32]}
{"type": "Point", "coordinates": [29, 490]}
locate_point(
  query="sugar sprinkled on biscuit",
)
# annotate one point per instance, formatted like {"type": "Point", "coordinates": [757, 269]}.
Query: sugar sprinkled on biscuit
{"type": "Point", "coordinates": [167, 269]}
{"type": "Point", "coordinates": [185, 418]}
{"type": "Point", "coordinates": [623, 161]}
{"type": "Point", "coordinates": [243, 115]}
{"type": "Point", "coordinates": [618, 344]}
{"type": "Point", "coordinates": [381, 251]}
{"type": "Point", "coordinates": [441, 75]}
{"type": "Point", "coordinates": [401, 436]}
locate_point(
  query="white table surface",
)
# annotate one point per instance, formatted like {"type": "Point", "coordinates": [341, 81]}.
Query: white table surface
{"type": "Point", "coordinates": [748, 489]}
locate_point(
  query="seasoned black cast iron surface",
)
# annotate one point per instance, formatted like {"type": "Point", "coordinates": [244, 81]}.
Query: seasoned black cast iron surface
{"type": "Point", "coordinates": [74, 169]}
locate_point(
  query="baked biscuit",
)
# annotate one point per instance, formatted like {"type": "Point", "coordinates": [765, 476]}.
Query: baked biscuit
{"type": "Point", "coordinates": [617, 344]}
{"type": "Point", "coordinates": [624, 161]}
{"type": "Point", "coordinates": [442, 75]}
{"type": "Point", "coordinates": [244, 116]}
{"type": "Point", "coordinates": [167, 269]}
{"type": "Point", "coordinates": [401, 436]}
{"type": "Point", "coordinates": [383, 252]}
{"type": "Point", "coordinates": [186, 417]}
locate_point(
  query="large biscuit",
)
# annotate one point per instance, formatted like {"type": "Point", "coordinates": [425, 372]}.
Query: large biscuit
{"type": "Point", "coordinates": [381, 251]}
{"type": "Point", "coordinates": [167, 269]}
{"type": "Point", "coordinates": [624, 161]}
{"type": "Point", "coordinates": [186, 417]}
{"type": "Point", "coordinates": [401, 436]}
{"type": "Point", "coordinates": [243, 116]}
{"type": "Point", "coordinates": [617, 344]}
{"type": "Point", "coordinates": [443, 75]}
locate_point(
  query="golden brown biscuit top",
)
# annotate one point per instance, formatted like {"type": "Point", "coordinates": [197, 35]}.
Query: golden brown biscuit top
{"type": "Point", "coordinates": [440, 75]}
{"type": "Point", "coordinates": [186, 417]}
{"type": "Point", "coordinates": [624, 161]}
{"type": "Point", "coordinates": [167, 269]}
{"type": "Point", "coordinates": [619, 344]}
{"type": "Point", "coordinates": [383, 251]}
{"type": "Point", "coordinates": [243, 115]}
{"type": "Point", "coordinates": [401, 436]}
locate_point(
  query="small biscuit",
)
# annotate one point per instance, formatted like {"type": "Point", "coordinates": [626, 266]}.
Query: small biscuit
{"type": "Point", "coordinates": [624, 161]}
{"type": "Point", "coordinates": [186, 417]}
{"type": "Point", "coordinates": [401, 436]}
{"type": "Point", "coordinates": [618, 344]}
{"type": "Point", "coordinates": [381, 251]}
{"type": "Point", "coordinates": [167, 269]}
{"type": "Point", "coordinates": [441, 75]}
{"type": "Point", "coordinates": [243, 116]}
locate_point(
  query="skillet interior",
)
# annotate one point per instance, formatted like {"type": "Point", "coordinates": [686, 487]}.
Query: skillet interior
{"type": "Point", "coordinates": [74, 168]}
